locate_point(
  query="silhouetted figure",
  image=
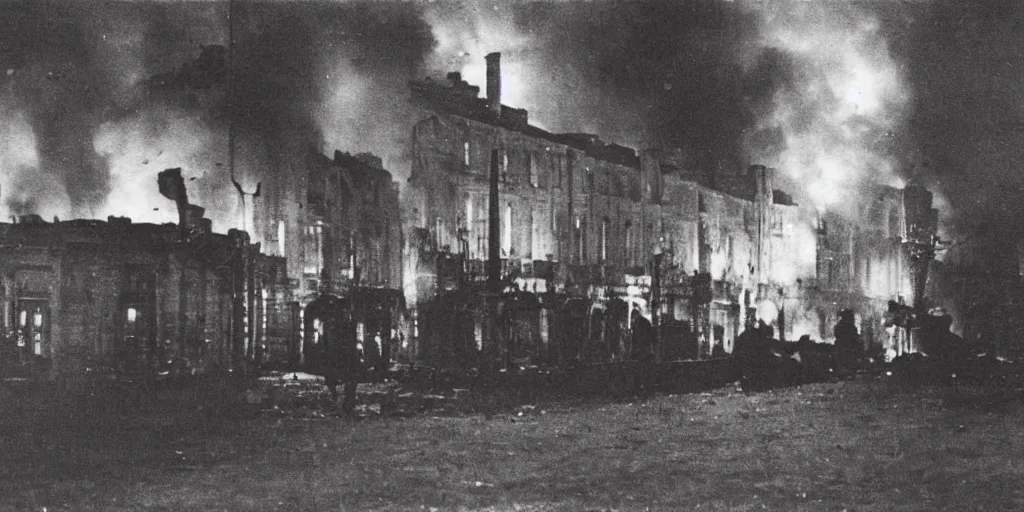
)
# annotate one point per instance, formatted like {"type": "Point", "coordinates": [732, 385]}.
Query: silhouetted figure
{"type": "Point", "coordinates": [643, 351]}
{"type": "Point", "coordinates": [341, 361]}
{"type": "Point", "coordinates": [642, 336]}
{"type": "Point", "coordinates": [750, 352]}
{"type": "Point", "coordinates": [939, 341]}
{"type": "Point", "coordinates": [848, 347]}
{"type": "Point", "coordinates": [388, 349]}
{"type": "Point", "coordinates": [371, 352]}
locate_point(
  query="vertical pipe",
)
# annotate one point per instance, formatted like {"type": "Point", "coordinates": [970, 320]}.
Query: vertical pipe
{"type": "Point", "coordinates": [493, 229]}
{"type": "Point", "coordinates": [494, 83]}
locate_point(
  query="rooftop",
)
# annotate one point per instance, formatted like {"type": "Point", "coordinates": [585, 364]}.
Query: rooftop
{"type": "Point", "coordinates": [456, 97]}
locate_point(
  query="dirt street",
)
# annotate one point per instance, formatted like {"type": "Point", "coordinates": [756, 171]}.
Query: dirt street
{"type": "Point", "coordinates": [867, 444]}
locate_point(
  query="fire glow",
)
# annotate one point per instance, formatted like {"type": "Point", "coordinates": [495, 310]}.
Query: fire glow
{"type": "Point", "coordinates": [464, 36]}
{"type": "Point", "coordinates": [846, 98]}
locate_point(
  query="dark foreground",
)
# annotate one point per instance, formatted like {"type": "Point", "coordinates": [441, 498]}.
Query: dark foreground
{"type": "Point", "coordinates": [865, 444]}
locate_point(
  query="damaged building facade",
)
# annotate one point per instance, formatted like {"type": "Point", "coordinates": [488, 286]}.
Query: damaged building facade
{"type": "Point", "coordinates": [89, 294]}
{"type": "Point", "coordinates": [591, 232]}
{"type": "Point", "coordinates": [337, 223]}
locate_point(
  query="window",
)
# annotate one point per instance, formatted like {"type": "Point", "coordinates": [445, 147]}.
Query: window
{"type": "Point", "coordinates": [469, 212]}
{"type": "Point", "coordinates": [544, 322]}
{"type": "Point", "coordinates": [506, 235]}
{"type": "Point", "coordinates": [504, 165]}
{"type": "Point", "coordinates": [531, 172]}
{"type": "Point", "coordinates": [37, 334]}
{"type": "Point", "coordinates": [604, 240]}
{"type": "Point", "coordinates": [478, 335]}
{"type": "Point", "coordinates": [528, 247]}
{"type": "Point", "coordinates": [630, 242]}
{"type": "Point", "coordinates": [558, 172]}
{"type": "Point", "coordinates": [581, 240]}
{"type": "Point", "coordinates": [465, 153]}
{"type": "Point", "coordinates": [280, 238]}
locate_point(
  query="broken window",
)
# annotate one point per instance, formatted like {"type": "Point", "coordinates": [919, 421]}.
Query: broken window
{"type": "Point", "coordinates": [33, 327]}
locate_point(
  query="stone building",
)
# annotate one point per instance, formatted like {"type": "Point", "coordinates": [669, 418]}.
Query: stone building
{"type": "Point", "coordinates": [337, 224]}
{"type": "Point", "coordinates": [352, 233]}
{"type": "Point", "coordinates": [591, 231]}
{"type": "Point", "coordinates": [86, 292]}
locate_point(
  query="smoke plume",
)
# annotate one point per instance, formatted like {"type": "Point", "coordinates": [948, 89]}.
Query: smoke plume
{"type": "Point", "coordinates": [96, 98]}
{"type": "Point", "coordinates": [829, 98]}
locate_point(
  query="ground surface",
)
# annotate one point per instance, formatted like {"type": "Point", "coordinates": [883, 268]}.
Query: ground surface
{"type": "Point", "coordinates": [866, 444]}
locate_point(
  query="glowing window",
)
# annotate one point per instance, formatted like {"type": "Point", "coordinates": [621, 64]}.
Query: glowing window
{"type": "Point", "coordinates": [465, 153]}
{"type": "Point", "coordinates": [506, 236]}
{"type": "Point", "coordinates": [280, 237]}
{"type": "Point", "coordinates": [504, 166]}
{"type": "Point", "coordinates": [133, 314]}
{"type": "Point", "coordinates": [604, 239]}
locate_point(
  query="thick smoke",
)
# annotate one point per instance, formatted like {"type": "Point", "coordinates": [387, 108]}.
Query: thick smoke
{"type": "Point", "coordinates": [809, 87]}
{"type": "Point", "coordinates": [99, 97]}
{"type": "Point", "coordinates": [54, 92]}
{"type": "Point", "coordinates": [635, 73]}
{"type": "Point", "coordinates": [829, 98]}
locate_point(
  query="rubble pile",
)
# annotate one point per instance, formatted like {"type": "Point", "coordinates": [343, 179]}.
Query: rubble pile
{"type": "Point", "coordinates": [304, 396]}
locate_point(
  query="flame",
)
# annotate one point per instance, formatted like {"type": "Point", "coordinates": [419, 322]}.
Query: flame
{"type": "Point", "coordinates": [797, 255]}
{"type": "Point", "coordinates": [467, 34]}
{"type": "Point", "coordinates": [847, 98]}
{"type": "Point", "coordinates": [803, 322]}
{"type": "Point", "coordinates": [138, 148]}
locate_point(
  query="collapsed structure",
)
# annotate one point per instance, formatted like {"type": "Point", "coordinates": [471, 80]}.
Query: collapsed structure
{"type": "Point", "coordinates": [588, 232]}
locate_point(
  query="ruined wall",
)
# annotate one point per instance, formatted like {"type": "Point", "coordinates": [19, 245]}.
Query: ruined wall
{"type": "Point", "coordinates": [101, 285]}
{"type": "Point", "coordinates": [352, 226]}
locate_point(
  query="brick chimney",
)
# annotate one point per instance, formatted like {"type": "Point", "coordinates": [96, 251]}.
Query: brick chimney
{"type": "Point", "coordinates": [494, 83]}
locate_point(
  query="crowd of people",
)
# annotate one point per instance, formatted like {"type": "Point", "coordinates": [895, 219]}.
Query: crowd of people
{"type": "Point", "coordinates": [763, 361]}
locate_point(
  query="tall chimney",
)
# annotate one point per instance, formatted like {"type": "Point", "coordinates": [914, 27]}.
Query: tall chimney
{"type": "Point", "coordinates": [494, 83]}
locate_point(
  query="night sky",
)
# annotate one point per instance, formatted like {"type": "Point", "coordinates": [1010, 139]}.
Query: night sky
{"type": "Point", "coordinates": [99, 96]}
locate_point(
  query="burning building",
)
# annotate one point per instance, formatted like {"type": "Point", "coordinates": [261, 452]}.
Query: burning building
{"type": "Point", "coordinates": [86, 292]}
{"type": "Point", "coordinates": [352, 231]}
{"type": "Point", "coordinates": [588, 232]}
{"type": "Point", "coordinates": [337, 223]}
{"type": "Point", "coordinates": [90, 292]}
